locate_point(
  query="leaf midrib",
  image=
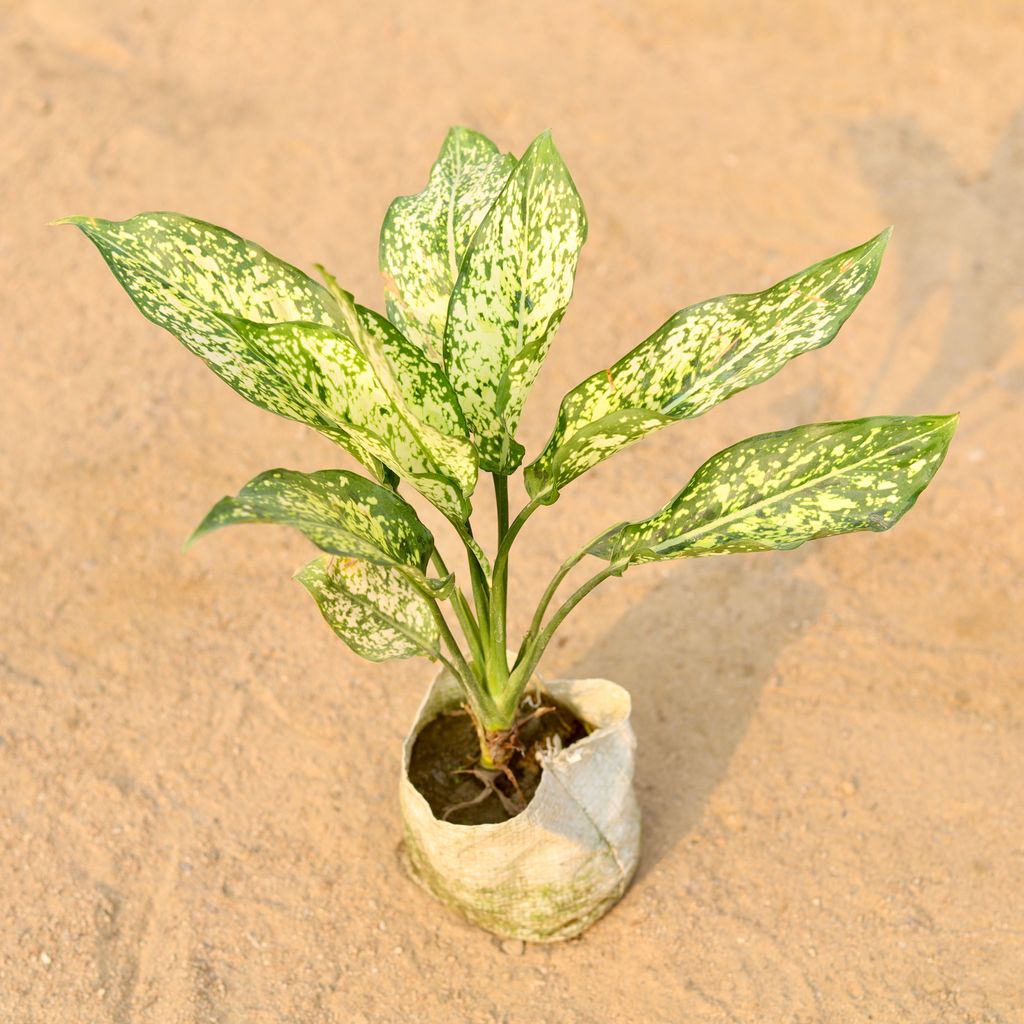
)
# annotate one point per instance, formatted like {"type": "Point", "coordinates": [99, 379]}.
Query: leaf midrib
{"type": "Point", "coordinates": [749, 509]}
{"type": "Point", "coordinates": [289, 385]}
{"type": "Point", "coordinates": [682, 396]}
{"type": "Point", "coordinates": [302, 523]}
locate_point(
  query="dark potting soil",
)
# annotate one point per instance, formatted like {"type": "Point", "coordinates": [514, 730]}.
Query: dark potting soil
{"type": "Point", "coordinates": [445, 764]}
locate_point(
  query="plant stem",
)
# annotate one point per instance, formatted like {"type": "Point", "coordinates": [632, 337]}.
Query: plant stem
{"type": "Point", "coordinates": [527, 664]}
{"type": "Point", "coordinates": [477, 576]}
{"type": "Point", "coordinates": [497, 667]}
{"type": "Point", "coordinates": [549, 592]}
{"type": "Point", "coordinates": [501, 501]}
{"type": "Point", "coordinates": [538, 616]}
{"type": "Point", "coordinates": [481, 593]}
{"type": "Point", "coordinates": [479, 702]}
{"type": "Point", "coordinates": [505, 546]}
{"type": "Point", "coordinates": [464, 614]}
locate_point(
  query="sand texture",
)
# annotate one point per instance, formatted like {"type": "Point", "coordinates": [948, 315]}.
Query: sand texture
{"type": "Point", "coordinates": [198, 810]}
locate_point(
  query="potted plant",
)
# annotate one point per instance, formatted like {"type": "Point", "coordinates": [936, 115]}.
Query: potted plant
{"type": "Point", "coordinates": [517, 794]}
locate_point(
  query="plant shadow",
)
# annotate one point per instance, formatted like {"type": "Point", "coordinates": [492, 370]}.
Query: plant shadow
{"type": "Point", "coordinates": [695, 656]}
{"type": "Point", "coordinates": [957, 240]}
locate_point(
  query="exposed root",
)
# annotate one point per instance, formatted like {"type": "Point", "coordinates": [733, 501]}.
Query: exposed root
{"type": "Point", "coordinates": [502, 746]}
{"type": "Point", "coordinates": [488, 777]}
{"type": "Point", "coordinates": [506, 764]}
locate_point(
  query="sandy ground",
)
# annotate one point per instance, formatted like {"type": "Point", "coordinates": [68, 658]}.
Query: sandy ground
{"type": "Point", "coordinates": [198, 818]}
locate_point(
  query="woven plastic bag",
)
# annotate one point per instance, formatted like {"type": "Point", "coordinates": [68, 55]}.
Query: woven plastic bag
{"type": "Point", "coordinates": [565, 860]}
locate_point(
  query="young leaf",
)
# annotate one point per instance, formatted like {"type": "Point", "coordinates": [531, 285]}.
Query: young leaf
{"type": "Point", "coordinates": [373, 608]}
{"type": "Point", "coordinates": [417, 387]}
{"type": "Point", "coordinates": [512, 291]}
{"type": "Point", "coordinates": [780, 490]}
{"type": "Point", "coordinates": [340, 512]}
{"type": "Point", "coordinates": [424, 237]}
{"type": "Point", "coordinates": [193, 279]}
{"type": "Point", "coordinates": [698, 358]}
{"type": "Point", "coordinates": [336, 377]}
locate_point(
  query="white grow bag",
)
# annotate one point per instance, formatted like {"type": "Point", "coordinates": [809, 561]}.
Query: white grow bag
{"type": "Point", "coordinates": [565, 860]}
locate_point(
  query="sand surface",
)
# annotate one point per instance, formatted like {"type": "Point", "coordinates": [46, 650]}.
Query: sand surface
{"type": "Point", "coordinates": [197, 780]}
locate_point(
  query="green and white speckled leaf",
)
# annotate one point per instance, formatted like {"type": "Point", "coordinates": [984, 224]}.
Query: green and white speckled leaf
{"type": "Point", "coordinates": [782, 489]}
{"type": "Point", "coordinates": [698, 358]}
{"type": "Point", "coordinates": [332, 374]}
{"type": "Point", "coordinates": [195, 280]}
{"type": "Point", "coordinates": [373, 608]}
{"type": "Point", "coordinates": [418, 388]}
{"type": "Point", "coordinates": [425, 236]}
{"type": "Point", "coordinates": [340, 512]}
{"type": "Point", "coordinates": [512, 291]}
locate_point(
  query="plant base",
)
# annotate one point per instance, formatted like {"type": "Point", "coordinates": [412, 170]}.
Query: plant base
{"type": "Point", "coordinates": [554, 869]}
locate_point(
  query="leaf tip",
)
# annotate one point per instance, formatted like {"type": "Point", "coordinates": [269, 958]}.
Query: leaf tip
{"type": "Point", "coordinates": [877, 245]}
{"type": "Point", "coordinates": [78, 220]}
{"type": "Point", "coordinates": [544, 142]}
{"type": "Point", "coordinates": [206, 526]}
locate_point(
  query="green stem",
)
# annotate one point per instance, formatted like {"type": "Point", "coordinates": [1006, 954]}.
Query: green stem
{"type": "Point", "coordinates": [549, 592]}
{"type": "Point", "coordinates": [501, 559]}
{"type": "Point", "coordinates": [477, 576]}
{"type": "Point", "coordinates": [479, 701]}
{"type": "Point", "coordinates": [481, 593]}
{"type": "Point", "coordinates": [538, 616]}
{"type": "Point", "coordinates": [464, 614]}
{"type": "Point", "coordinates": [497, 668]}
{"type": "Point", "coordinates": [501, 502]}
{"type": "Point", "coordinates": [526, 665]}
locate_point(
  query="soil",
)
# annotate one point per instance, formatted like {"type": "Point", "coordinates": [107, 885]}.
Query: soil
{"type": "Point", "coordinates": [198, 811]}
{"type": "Point", "coordinates": [445, 767]}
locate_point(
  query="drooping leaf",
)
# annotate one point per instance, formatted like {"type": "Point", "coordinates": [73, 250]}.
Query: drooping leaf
{"type": "Point", "coordinates": [512, 291]}
{"type": "Point", "coordinates": [779, 490]}
{"type": "Point", "coordinates": [197, 280]}
{"type": "Point", "coordinates": [424, 236]}
{"type": "Point", "coordinates": [375, 609]}
{"type": "Point", "coordinates": [698, 358]}
{"type": "Point", "coordinates": [417, 387]}
{"type": "Point", "coordinates": [335, 376]}
{"type": "Point", "coordinates": [340, 512]}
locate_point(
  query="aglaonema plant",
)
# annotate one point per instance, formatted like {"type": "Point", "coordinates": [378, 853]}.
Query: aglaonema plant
{"type": "Point", "coordinates": [478, 271]}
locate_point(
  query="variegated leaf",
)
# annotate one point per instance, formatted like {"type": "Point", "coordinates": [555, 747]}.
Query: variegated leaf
{"type": "Point", "coordinates": [192, 278]}
{"type": "Point", "coordinates": [340, 512]}
{"type": "Point", "coordinates": [424, 237]}
{"type": "Point", "coordinates": [782, 489]}
{"type": "Point", "coordinates": [373, 608]}
{"type": "Point", "coordinates": [336, 377]}
{"type": "Point", "coordinates": [512, 291]}
{"type": "Point", "coordinates": [417, 386]}
{"type": "Point", "coordinates": [698, 358]}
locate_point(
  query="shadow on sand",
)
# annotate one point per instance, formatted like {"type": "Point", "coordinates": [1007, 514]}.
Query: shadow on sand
{"type": "Point", "coordinates": [699, 650]}
{"type": "Point", "coordinates": [959, 236]}
{"type": "Point", "coordinates": [695, 656]}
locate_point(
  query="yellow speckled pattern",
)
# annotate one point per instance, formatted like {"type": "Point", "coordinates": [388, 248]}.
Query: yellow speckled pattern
{"type": "Point", "coordinates": [698, 358]}
{"type": "Point", "coordinates": [512, 291]}
{"type": "Point", "coordinates": [373, 608]}
{"type": "Point", "coordinates": [779, 490]}
{"type": "Point", "coordinates": [424, 237]}
{"type": "Point", "coordinates": [342, 513]}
